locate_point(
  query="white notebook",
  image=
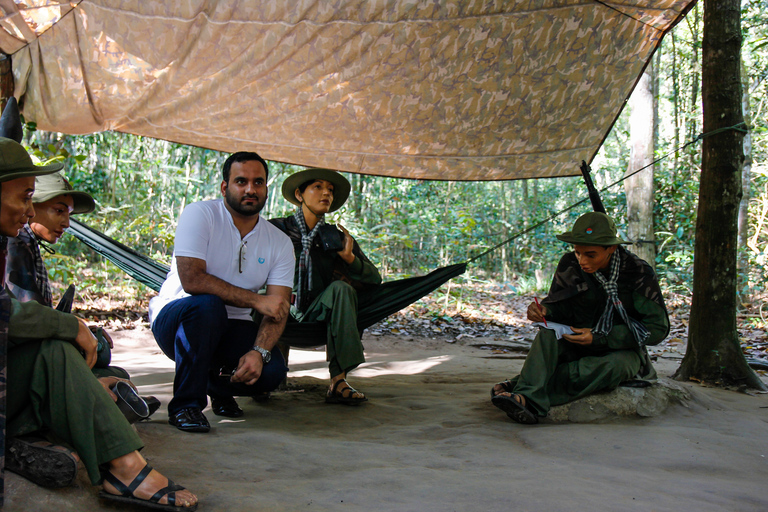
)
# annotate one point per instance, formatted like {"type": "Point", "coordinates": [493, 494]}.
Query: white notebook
{"type": "Point", "coordinates": [559, 329]}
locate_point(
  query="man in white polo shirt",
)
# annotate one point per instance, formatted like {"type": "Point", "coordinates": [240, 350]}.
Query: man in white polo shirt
{"type": "Point", "coordinates": [223, 255]}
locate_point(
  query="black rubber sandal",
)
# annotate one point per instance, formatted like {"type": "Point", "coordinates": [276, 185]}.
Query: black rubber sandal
{"type": "Point", "coordinates": [126, 492]}
{"type": "Point", "coordinates": [515, 409]}
{"type": "Point", "coordinates": [41, 462]}
{"type": "Point", "coordinates": [506, 387]}
{"type": "Point", "coordinates": [334, 396]}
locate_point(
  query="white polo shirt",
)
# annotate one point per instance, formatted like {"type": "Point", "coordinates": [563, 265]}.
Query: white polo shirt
{"type": "Point", "coordinates": [206, 231]}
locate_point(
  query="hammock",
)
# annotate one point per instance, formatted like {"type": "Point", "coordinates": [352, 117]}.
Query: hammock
{"type": "Point", "coordinates": [140, 267]}
{"type": "Point", "coordinates": [388, 298]}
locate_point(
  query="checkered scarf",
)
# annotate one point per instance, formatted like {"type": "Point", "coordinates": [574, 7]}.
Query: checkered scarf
{"type": "Point", "coordinates": [611, 287]}
{"type": "Point", "coordinates": [41, 273]}
{"type": "Point", "coordinates": [305, 261]}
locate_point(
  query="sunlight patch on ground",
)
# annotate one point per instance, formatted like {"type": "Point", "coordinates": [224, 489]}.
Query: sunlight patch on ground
{"type": "Point", "coordinates": [379, 368]}
{"type": "Point", "coordinates": [142, 358]}
{"type": "Point", "coordinates": [157, 389]}
{"type": "Point", "coordinates": [305, 356]}
{"type": "Point", "coordinates": [400, 367]}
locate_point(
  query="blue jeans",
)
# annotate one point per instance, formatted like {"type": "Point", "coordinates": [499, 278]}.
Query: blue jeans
{"type": "Point", "coordinates": [196, 333]}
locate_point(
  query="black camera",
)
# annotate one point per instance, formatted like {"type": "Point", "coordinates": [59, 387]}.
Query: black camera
{"type": "Point", "coordinates": [331, 238]}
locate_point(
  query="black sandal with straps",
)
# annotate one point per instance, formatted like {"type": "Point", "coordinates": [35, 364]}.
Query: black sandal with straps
{"type": "Point", "coordinates": [343, 396]}
{"type": "Point", "coordinates": [126, 492]}
{"type": "Point", "coordinates": [506, 386]}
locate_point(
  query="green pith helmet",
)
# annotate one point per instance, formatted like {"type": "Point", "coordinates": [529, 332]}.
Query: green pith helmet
{"type": "Point", "coordinates": [54, 185]}
{"type": "Point", "coordinates": [593, 228]}
{"type": "Point", "coordinates": [341, 186]}
{"type": "Point", "coordinates": [15, 162]}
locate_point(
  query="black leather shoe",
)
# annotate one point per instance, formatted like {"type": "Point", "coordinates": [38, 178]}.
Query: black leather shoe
{"type": "Point", "coordinates": [153, 404]}
{"type": "Point", "coordinates": [191, 419]}
{"type": "Point", "coordinates": [226, 407]}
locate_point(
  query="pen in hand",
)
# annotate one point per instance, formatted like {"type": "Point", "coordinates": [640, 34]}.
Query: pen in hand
{"type": "Point", "coordinates": [542, 311]}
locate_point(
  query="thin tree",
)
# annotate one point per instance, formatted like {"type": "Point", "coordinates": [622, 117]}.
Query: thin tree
{"type": "Point", "coordinates": [714, 353]}
{"type": "Point", "coordinates": [639, 187]}
{"type": "Point", "coordinates": [746, 177]}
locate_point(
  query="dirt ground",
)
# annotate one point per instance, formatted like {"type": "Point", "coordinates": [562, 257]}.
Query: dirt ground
{"type": "Point", "coordinates": [430, 440]}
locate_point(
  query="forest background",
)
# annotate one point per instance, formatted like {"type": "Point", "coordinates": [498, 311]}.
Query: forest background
{"type": "Point", "coordinates": [408, 227]}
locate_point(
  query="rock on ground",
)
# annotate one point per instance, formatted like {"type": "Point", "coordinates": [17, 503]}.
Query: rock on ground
{"type": "Point", "coordinates": [622, 402]}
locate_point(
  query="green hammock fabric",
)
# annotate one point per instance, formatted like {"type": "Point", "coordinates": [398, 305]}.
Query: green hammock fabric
{"type": "Point", "coordinates": [390, 297]}
{"type": "Point", "coordinates": [140, 267]}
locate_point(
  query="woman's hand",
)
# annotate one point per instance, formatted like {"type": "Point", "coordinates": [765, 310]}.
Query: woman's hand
{"type": "Point", "coordinates": [349, 243]}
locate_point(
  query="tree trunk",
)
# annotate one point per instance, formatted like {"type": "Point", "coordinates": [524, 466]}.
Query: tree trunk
{"type": "Point", "coordinates": [692, 129]}
{"type": "Point", "coordinates": [504, 233]}
{"type": "Point", "coordinates": [713, 353]}
{"type": "Point", "coordinates": [639, 187]}
{"type": "Point", "coordinates": [676, 108]}
{"type": "Point", "coordinates": [746, 179]}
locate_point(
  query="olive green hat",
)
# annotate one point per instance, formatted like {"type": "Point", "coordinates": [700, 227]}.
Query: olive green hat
{"type": "Point", "coordinates": [341, 186]}
{"type": "Point", "coordinates": [15, 162]}
{"type": "Point", "coordinates": [54, 185]}
{"type": "Point", "coordinates": [593, 228]}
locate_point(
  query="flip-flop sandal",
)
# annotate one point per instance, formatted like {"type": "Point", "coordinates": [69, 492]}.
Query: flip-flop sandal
{"type": "Point", "coordinates": [42, 462]}
{"type": "Point", "coordinates": [126, 492]}
{"type": "Point", "coordinates": [515, 410]}
{"type": "Point", "coordinates": [334, 396]}
{"type": "Point", "coordinates": [506, 386]}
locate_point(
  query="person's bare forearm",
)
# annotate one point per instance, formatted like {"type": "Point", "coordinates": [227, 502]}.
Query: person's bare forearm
{"type": "Point", "coordinates": [204, 283]}
{"type": "Point", "coordinates": [270, 332]}
{"type": "Point", "coordinates": [196, 281]}
{"type": "Point", "coordinates": [272, 328]}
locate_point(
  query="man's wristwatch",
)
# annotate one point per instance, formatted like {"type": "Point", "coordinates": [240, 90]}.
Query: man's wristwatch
{"type": "Point", "coordinates": [266, 355]}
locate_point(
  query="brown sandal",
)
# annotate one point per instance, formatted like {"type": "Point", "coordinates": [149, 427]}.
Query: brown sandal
{"type": "Point", "coordinates": [343, 395]}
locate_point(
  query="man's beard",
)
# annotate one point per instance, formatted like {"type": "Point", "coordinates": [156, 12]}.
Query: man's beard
{"type": "Point", "coordinates": [242, 209]}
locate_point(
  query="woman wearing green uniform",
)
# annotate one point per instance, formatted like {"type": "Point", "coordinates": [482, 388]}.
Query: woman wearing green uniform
{"type": "Point", "coordinates": [331, 280]}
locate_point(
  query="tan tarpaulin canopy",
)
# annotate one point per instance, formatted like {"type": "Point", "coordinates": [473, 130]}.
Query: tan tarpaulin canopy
{"type": "Point", "coordinates": [429, 89]}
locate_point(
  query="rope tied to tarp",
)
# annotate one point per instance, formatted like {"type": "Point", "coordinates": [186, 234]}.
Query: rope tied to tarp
{"type": "Point", "coordinates": [701, 136]}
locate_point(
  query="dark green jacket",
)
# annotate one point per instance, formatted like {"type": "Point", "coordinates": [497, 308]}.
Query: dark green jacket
{"type": "Point", "coordinates": [577, 299]}
{"type": "Point", "coordinates": [327, 266]}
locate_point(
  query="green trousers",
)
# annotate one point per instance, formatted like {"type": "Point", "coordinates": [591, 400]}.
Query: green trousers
{"type": "Point", "coordinates": [337, 307]}
{"type": "Point", "coordinates": [52, 391]}
{"type": "Point", "coordinates": [557, 371]}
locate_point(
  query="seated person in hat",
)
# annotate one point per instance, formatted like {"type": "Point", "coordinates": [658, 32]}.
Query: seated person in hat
{"type": "Point", "coordinates": [49, 386]}
{"type": "Point", "coordinates": [612, 301]}
{"type": "Point", "coordinates": [26, 276]}
{"type": "Point", "coordinates": [54, 201]}
{"type": "Point", "coordinates": [329, 284]}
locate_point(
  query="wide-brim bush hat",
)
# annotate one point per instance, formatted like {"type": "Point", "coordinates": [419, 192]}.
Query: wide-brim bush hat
{"type": "Point", "coordinates": [593, 228]}
{"type": "Point", "coordinates": [54, 185]}
{"type": "Point", "coordinates": [341, 186]}
{"type": "Point", "coordinates": [16, 163]}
